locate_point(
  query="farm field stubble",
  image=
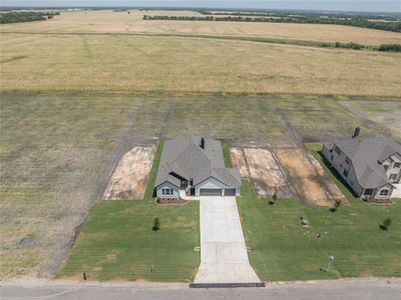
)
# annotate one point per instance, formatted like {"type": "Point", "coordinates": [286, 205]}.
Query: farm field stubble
{"type": "Point", "coordinates": [58, 151]}
{"type": "Point", "coordinates": [45, 62]}
{"type": "Point", "coordinates": [122, 22]}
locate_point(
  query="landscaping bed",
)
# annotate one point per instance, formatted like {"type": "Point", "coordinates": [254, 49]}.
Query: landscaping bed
{"type": "Point", "coordinates": [166, 202]}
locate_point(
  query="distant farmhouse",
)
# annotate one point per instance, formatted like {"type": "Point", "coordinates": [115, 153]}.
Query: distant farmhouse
{"type": "Point", "coordinates": [195, 167]}
{"type": "Point", "coordinates": [370, 166]}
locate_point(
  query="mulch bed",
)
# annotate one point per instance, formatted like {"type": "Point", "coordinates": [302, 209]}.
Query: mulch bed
{"type": "Point", "coordinates": [379, 201]}
{"type": "Point", "coordinates": [171, 201]}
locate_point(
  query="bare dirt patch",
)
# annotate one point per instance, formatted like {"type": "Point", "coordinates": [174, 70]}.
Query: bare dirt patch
{"type": "Point", "coordinates": [131, 175]}
{"type": "Point", "coordinates": [260, 165]}
{"type": "Point", "coordinates": [288, 171]}
{"type": "Point", "coordinates": [307, 178]}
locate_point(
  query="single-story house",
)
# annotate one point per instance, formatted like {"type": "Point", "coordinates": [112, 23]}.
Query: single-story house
{"type": "Point", "coordinates": [370, 166]}
{"type": "Point", "coordinates": [195, 166]}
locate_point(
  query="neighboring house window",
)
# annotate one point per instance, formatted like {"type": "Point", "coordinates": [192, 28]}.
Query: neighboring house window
{"type": "Point", "coordinates": [383, 192]}
{"type": "Point", "coordinates": [331, 157]}
{"type": "Point", "coordinates": [369, 192]}
{"type": "Point", "coordinates": [347, 160]}
{"type": "Point", "coordinates": [191, 181]}
{"type": "Point", "coordinates": [167, 192]}
{"type": "Point", "coordinates": [338, 151]}
{"type": "Point", "coordinates": [345, 173]}
{"type": "Point", "coordinates": [393, 176]}
{"type": "Point", "coordinates": [397, 165]}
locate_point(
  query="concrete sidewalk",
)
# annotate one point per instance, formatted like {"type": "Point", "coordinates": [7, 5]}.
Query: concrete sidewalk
{"type": "Point", "coordinates": [223, 252]}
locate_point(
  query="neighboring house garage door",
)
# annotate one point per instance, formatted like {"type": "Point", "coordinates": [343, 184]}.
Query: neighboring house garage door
{"type": "Point", "coordinates": [210, 192]}
{"type": "Point", "coordinates": [229, 192]}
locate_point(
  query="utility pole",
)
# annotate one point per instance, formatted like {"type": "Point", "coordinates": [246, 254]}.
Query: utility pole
{"type": "Point", "coordinates": [331, 258]}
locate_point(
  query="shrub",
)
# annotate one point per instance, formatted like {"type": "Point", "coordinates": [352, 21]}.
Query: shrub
{"type": "Point", "coordinates": [386, 223]}
{"type": "Point", "coordinates": [156, 224]}
{"type": "Point", "coordinates": [274, 198]}
{"type": "Point", "coordinates": [336, 205]}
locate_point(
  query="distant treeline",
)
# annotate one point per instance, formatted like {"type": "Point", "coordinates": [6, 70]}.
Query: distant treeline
{"type": "Point", "coordinates": [301, 19]}
{"type": "Point", "coordinates": [25, 16]}
{"type": "Point", "coordinates": [308, 14]}
{"type": "Point", "coordinates": [390, 47]}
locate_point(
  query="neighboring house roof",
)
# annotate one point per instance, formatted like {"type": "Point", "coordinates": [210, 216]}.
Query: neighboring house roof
{"type": "Point", "coordinates": [367, 156]}
{"type": "Point", "coordinates": [185, 158]}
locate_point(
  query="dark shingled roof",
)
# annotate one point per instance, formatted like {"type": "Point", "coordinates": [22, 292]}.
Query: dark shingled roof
{"type": "Point", "coordinates": [185, 158]}
{"type": "Point", "coordinates": [367, 156]}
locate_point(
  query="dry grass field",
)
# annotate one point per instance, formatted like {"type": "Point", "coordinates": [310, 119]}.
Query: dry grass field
{"type": "Point", "coordinates": [102, 51]}
{"type": "Point", "coordinates": [34, 62]}
{"type": "Point", "coordinates": [122, 22]}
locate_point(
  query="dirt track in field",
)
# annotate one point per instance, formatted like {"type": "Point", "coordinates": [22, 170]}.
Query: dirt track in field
{"type": "Point", "coordinates": [131, 175]}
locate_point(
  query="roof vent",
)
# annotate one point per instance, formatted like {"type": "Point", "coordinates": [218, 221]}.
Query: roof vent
{"type": "Point", "coordinates": [202, 143]}
{"type": "Point", "coordinates": [356, 132]}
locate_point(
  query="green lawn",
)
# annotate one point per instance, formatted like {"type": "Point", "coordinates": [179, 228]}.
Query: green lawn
{"type": "Point", "coordinates": [225, 146]}
{"type": "Point", "coordinates": [117, 241]}
{"type": "Point", "coordinates": [283, 250]}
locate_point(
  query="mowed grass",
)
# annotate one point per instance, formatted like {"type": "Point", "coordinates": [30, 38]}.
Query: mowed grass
{"type": "Point", "coordinates": [283, 250]}
{"type": "Point", "coordinates": [122, 22]}
{"type": "Point", "coordinates": [118, 243]}
{"type": "Point", "coordinates": [120, 63]}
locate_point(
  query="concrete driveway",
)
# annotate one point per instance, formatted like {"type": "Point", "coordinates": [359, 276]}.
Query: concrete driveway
{"type": "Point", "coordinates": [223, 252]}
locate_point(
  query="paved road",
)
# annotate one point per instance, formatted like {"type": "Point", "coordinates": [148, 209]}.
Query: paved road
{"type": "Point", "coordinates": [223, 251]}
{"type": "Point", "coordinates": [358, 289]}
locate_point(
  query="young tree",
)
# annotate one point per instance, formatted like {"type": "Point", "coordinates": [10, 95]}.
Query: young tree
{"type": "Point", "coordinates": [386, 223]}
{"type": "Point", "coordinates": [274, 198]}
{"type": "Point", "coordinates": [156, 224]}
{"type": "Point", "coordinates": [336, 205]}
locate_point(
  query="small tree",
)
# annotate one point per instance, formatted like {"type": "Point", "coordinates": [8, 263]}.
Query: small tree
{"type": "Point", "coordinates": [274, 198]}
{"type": "Point", "coordinates": [336, 205]}
{"type": "Point", "coordinates": [386, 223]}
{"type": "Point", "coordinates": [156, 224]}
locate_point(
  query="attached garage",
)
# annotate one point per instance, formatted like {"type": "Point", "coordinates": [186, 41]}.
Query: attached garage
{"type": "Point", "coordinates": [230, 192]}
{"type": "Point", "coordinates": [210, 192]}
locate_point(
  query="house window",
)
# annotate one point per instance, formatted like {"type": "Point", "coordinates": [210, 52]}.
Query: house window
{"type": "Point", "coordinates": [337, 150]}
{"type": "Point", "coordinates": [368, 192]}
{"type": "Point", "coordinates": [397, 165]}
{"type": "Point", "coordinates": [331, 157]}
{"type": "Point", "coordinates": [345, 173]}
{"type": "Point", "coordinates": [393, 176]}
{"type": "Point", "coordinates": [347, 160]}
{"type": "Point", "coordinates": [167, 192]}
{"type": "Point", "coordinates": [383, 192]}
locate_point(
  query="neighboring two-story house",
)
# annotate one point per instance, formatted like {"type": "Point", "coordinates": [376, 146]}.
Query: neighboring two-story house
{"type": "Point", "coordinates": [195, 167]}
{"type": "Point", "coordinates": [370, 166]}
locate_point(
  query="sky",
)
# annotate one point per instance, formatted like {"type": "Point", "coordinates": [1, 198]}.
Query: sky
{"type": "Point", "coordinates": [333, 5]}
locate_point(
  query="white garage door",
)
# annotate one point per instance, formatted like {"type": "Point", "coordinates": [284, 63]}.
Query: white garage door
{"type": "Point", "coordinates": [210, 192]}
